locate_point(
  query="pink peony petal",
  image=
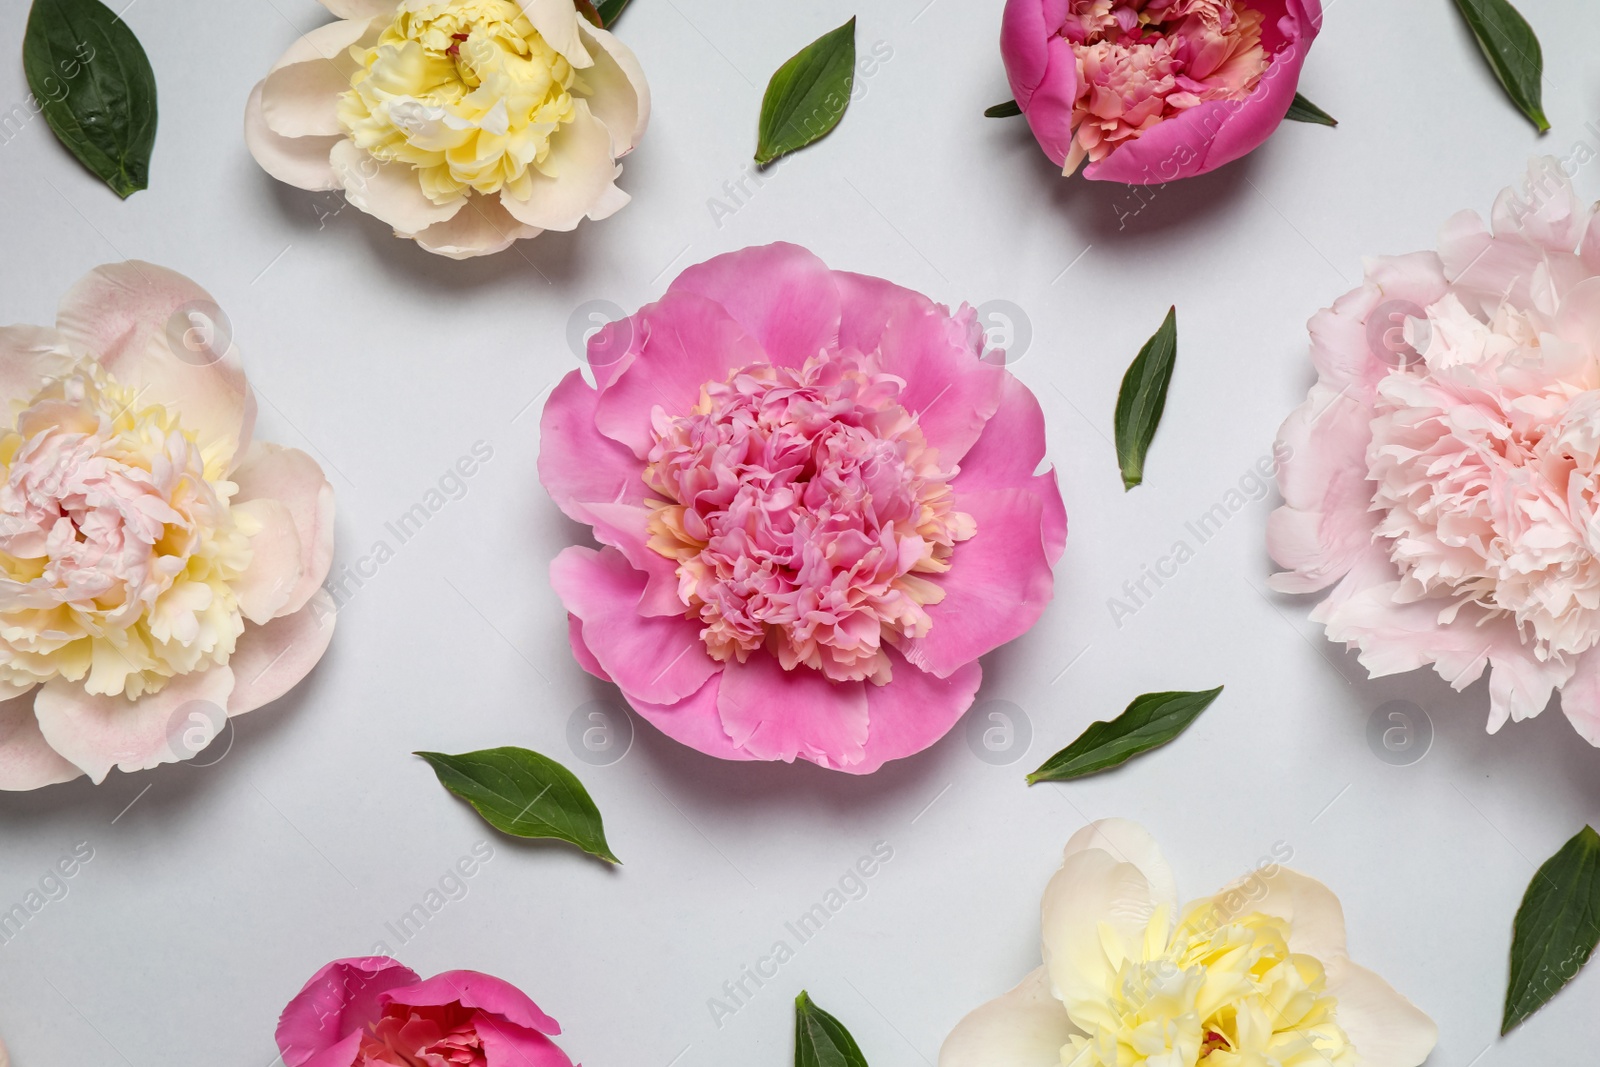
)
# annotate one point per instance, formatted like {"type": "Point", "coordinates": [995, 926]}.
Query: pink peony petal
{"type": "Point", "coordinates": [577, 463]}
{"type": "Point", "coordinates": [26, 760]}
{"type": "Point", "coordinates": [777, 715]}
{"type": "Point", "coordinates": [339, 1002]}
{"type": "Point", "coordinates": [694, 721]}
{"type": "Point", "coordinates": [657, 659]}
{"type": "Point", "coordinates": [625, 527]}
{"type": "Point", "coordinates": [275, 564]}
{"type": "Point", "coordinates": [684, 341]}
{"type": "Point", "coordinates": [580, 651]}
{"type": "Point", "coordinates": [949, 388]}
{"type": "Point", "coordinates": [300, 96]}
{"type": "Point", "coordinates": [299, 161]}
{"type": "Point", "coordinates": [27, 355]}
{"type": "Point", "coordinates": [913, 711]}
{"type": "Point", "coordinates": [481, 228]}
{"type": "Point", "coordinates": [1042, 71]}
{"type": "Point", "coordinates": [101, 732]}
{"type": "Point", "coordinates": [582, 179]}
{"type": "Point", "coordinates": [288, 475]}
{"type": "Point", "coordinates": [483, 992]}
{"type": "Point", "coordinates": [270, 660]}
{"type": "Point", "coordinates": [133, 317]}
{"type": "Point", "coordinates": [780, 294]}
{"type": "Point", "coordinates": [997, 587]}
{"type": "Point", "coordinates": [1006, 455]}
{"type": "Point", "coordinates": [1580, 697]}
{"type": "Point", "coordinates": [618, 93]}
{"type": "Point", "coordinates": [868, 304]}
{"type": "Point", "coordinates": [509, 1046]}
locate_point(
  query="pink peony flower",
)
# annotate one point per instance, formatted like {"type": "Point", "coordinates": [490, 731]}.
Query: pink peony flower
{"type": "Point", "coordinates": [1153, 90]}
{"type": "Point", "coordinates": [376, 1012]}
{"type": "Point", "coordinates": [159, 571]}
{"type": "Point", "coordinates": [1447, 462]}
{"type": "Point", "coordinates": [819, 507]}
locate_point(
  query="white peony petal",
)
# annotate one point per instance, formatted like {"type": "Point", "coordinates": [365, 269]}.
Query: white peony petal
{"type": "Point", "coordinates": [270, 660]}
{"type": "Point", "coordinates": [388, 191]}
{"type": "Point", "coordinates": [300, 96]}
{"type": "Point", "coordinates": [557, 22]}
{"type": "Point", "coordinates": [26, 759]}
{"type": "Point", "coordinates": [580, 181]}
{"type": "Point", "coordinates": [298, 161]}
{"type": "Point", "coordinates": [618, 94]}
{"type": "Point", "coordinates": [288, 475]}
{"type": "Point", "coordinates": [275, 560]}
{"type": "Point", "coordinates": [1386, 1029]}
{"type": "Point", "coordinates": [1315, 915]}
{"type": "Point", "coordinates": [361, 9]}
{"type": "Point", "coordinates": [1094, 916]}
{"type": "Point", "coordinates": [481, 228]}
{"type": "Point", "coordinates": [1128, 842]}
{"type": "Point", "coordinates": [1025, 1027]}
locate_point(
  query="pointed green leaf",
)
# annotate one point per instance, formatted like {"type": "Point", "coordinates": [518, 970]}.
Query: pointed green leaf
{"type": "Point", "coordinates": [1303, 110]}
{"type": "Point", "coordinates": [610, 11]}
{"type": "Point", "coordinates": [1149, 722]}
{"type": "Point", "coordinates": [524, 794]}
{"type": "Point", "coordinates": [1142, 399]}
{"type": "Point", "coordinates": [1513, 52]}
{"type": "Point", "coordinates": [808, 95]}
{"type": "Point", "coordinates": [94, 85]}
{"type": "Point", "coordinates": [820, 1040]}
{"type": "Point", "coordinates": [1003, 111]}
{"type": "Point", "coordinates": [1556, 929]}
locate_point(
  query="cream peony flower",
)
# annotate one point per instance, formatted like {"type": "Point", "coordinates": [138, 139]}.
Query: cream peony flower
{"type": "Point", "coordinates": [157, 568]}
{"type": "Point", "coordinates": [1255, 976]}
{"type": "Point", "coordinates": [464, 124]}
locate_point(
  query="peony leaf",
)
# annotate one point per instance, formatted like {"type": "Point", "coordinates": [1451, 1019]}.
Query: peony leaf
{"type": "Point", "coordinates": [1556, 929]}
{"type": "Point", "coordinates": [808, 95]}
{"type": "Point", "coordinates": [587, 9]}
{"type": "Point", "coordinates": [1142, 399]}
{"type": "Point", "coordinates": [1003, 111]}
{"type": "Point", "coordinates": [94, 85]}
{"type": "Point", "coordinates": [1511, 48]}
{"type": "Point", "coordinates": [524, 794]}
{"type": "Point", "coordinates": [1149, 722]}
{"type": "Point", "coordinates": [820, 1040]}
{"type": "Point", "coordinates": [1303, 110]}
{"type": "Point", "coordinates": [610, 11]}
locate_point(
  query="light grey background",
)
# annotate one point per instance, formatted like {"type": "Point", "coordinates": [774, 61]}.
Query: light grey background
{"type": "Point", "coordinates": [221, 889]}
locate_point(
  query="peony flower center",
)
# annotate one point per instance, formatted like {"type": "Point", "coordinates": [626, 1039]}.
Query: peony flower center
{"type": "Point", "coordinates": [442, 1036]}
{"type": "Point", "coordinates": [1218, 992]}
{"type": "Point", "coordinates": [1486, 460]}
{"type": "Point", "coordinates": [804, 508]}
{"type": "Point", "coordinates": [1141, 62]}
{"type": "Point", "coordinates": [117, 543]}
{"type": "Point", "coordinates": [465, 91]}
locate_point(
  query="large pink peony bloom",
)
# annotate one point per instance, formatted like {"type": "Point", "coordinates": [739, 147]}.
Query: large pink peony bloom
{"type": "Point", "coordinates": [1447, 461]}
{"type": "Point", "coordinates": [819, 507]}
{"type": "Point", "coordinates": [159, 571]}
{"type": "Point", "coordinates": [1149, 91]}
{"type": "Point", "coordinates": [376, 1012]}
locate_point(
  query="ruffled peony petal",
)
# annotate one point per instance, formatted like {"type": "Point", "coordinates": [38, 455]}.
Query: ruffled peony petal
{"type": "Point", "coordinates": [998, 584]}
{"type": "Point", "coordinates": [300, 96]}
{"type": "Point", "coordinates": [580, 651]}
{"type": "Point", "coordinates": [26, 760]}
{"type": "Point", "coordinates": [618, 93]}
{"type": "Point", "coordinates": [1580, 697]}
{"type": "Point", "coordinates": [684, 341]}
{"type": "Point", "coordinates": [626, 527]}
{"type": "Point", "coordinates": [1316, 915]}
{"type": "Point", "coordinates": [913, 711]}
{"type": "Point", "coordinates": [288, 475]}
{"type": "Point", "coordinates": [660, 660]}
{"type": "Point", "coordinates": [781, 294]}
{"type": "Point", "coordinates": [275, 564]}
{"type": "Point", "coordinates": [481, 228]}
{"type": "Point", "coordinates": [575, 182]}
{"type": "Point", "coordinates": [1545, 211]}
{"type": "Point", "coordinates": [1128, 842]}
{"type": "Point", "coordinates": [949, 388]}
{"type": "Point", "coordinates": [1042, 71]}
{"type": "Point", "coordinates": [482, 992]}
{"type": "Point", "coordinates": [1023, 1028]}
{"type": "Point", "coordinates": [270, 660]}
{"type": "Point", "coordinates": [577, 463]}
{"type": "Point", "coordinates": [101, 732]}
{"type": "Point", "coordinates": [778, 715]}
{"type": "Point", "coordinates": [341, 999]}
{"type": "Point", "coordinates": [694, 721]}
{"type": "Point", "coordinates": [132, 316]}
{"type": "Point", "coordinates": [1007, 454]}
{"type": "Point", "coordinates": [1093, 918]}
{"type": "Point", "coordinates": [388, 191]}
{"type": "Point", "coordinates": [300, 161]}
{"type": "Point", "coordinates": [28, 354]}
{"type": "Point", "coordinates": [867, 305]}
{"type": "Point", "coordinates": [1386, 1029]}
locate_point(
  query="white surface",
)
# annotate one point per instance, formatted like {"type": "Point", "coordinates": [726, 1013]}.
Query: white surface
{"type": "Point", "coordinates": [212, 898]}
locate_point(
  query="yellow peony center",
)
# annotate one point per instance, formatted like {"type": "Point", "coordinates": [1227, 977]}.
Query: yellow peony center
{"type": "Point", "coordinates": [466, 91]}
{"type": "Point", "coordinates": [1218, 991]}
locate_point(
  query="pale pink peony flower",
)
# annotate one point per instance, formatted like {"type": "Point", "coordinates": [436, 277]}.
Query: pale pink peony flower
{"type": "Point", "coordinates": [376, 1012]}
{"type": "Point", "coordinates": [158, 569]}
{"type": "Point", "coordinates": [820, 507]}
{"type": "Point", "coordinates": [1446, 462]}
{"type": "Point", "coordinates": [1153, 90]}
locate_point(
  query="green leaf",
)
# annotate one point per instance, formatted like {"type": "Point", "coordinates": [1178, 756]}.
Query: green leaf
{"type": "Point", "coordinates": [1303, 110]}
{"type": "Point", "coordinates": [808, 95]}
{"type": "Point", "coordinates": [1556, 929]}
{"type": "Point", "coordinates": [1003, 111]}
{"type": "Point", "coordinates": [95, 87]}
{"type": "Point", "coordinates": [524, 794]}
{"type": "Point", "coordinates": [1508, 42]}
{"type": "Point", "coordinates": [820, 1040]}
{"type": "Point", "coordinates": [610, 11]}
{"type": "Point", "coordinates": [1149, 722]}
{"type": "Point", "coordinates": [587, 9]}
{"type": "Point", "coordinates": [1142, 399]}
